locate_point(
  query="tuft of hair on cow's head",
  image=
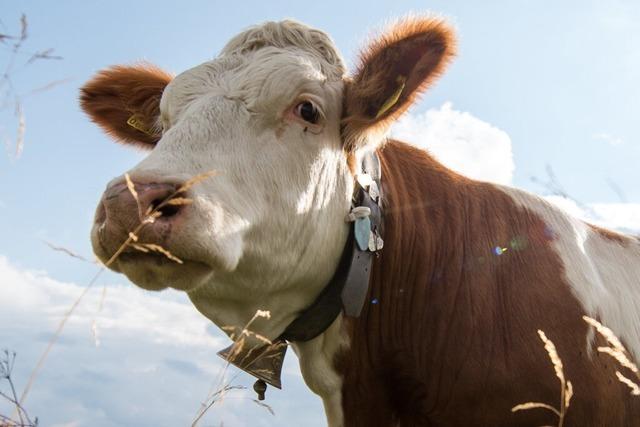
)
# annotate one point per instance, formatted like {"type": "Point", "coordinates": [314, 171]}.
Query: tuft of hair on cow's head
{"type": "Point", "coordinates": [394, 70]}
{"type": "Point", "coordinates": [125, 102]}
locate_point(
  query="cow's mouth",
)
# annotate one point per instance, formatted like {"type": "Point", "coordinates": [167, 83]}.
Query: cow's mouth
{"type": "Point", "coordinates": [156, 271]}
{"type": "Point", "coordinates": [151, 258]}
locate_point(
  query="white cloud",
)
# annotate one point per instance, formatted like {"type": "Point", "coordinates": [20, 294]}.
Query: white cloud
{"type": "Point", "coordinates": [624, 217]}
{"type": "Point", "coordinates": [612, 140]}
{"type": "Point", "coordinates": [461, 141]}
{"type": "Point", "coordinates": [480, 150]}
{"type": "Point", "coordinates": [621, 216]}
{"type": "Point", "coordinates": [155, 364]}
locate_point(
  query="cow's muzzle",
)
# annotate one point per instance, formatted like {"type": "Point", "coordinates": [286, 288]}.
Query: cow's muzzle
{"type": "Point", "coordinates": [142, 209]}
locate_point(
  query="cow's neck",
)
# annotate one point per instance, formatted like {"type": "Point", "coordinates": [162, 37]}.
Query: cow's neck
{"type": "Point", "coordinates": [234, 314]}
{"type": "Point", "coordinates": [320, 359]}
{"type": "Point", "coordinates": [317, 364]}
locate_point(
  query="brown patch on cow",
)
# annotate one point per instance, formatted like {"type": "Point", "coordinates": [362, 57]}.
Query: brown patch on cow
{"type": "Point", "coordinates": [611, 235]}
{"type": "Point", "coordinates": [118, 93]}
{"type": "Point", "coordinates": [448, 336]}
{"type": "Point", "coordinates": [402, 63]}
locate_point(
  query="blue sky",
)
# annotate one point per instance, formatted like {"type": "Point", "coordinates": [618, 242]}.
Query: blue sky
{"type": "Point", "coordinates": [555, 83]}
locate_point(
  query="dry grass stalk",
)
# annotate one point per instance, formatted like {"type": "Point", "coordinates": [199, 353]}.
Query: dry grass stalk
{"type": "Point", "coordinates": [94, 323]}
{"type": "Point", "coordinates": [46, 87]}
{"type": "Point", "coordinates": [11, 95]}
{"type": "Point", "coordinates": [239, 343]}
{"type": "Point", "coordinates": [43, 54]}
{"type": "Point", "coordinates": [22, 128]}
{"type": "Point", "coordinates": [152, 247]}
{"type": "Point", "coordinates": [131, 187]}
{"type": "Point", "coordinates": [56, 335]}
{"type": "Point", "coordinates": [566, 388]}
{"type": "Point", "coordinates": [132, 237]}
{"type": "Point", "coordinates": [236, 349]}
{"type": "Point", "coordinates": [151, 215]}
{"type": "Point", "coordinates": [534, 405]}
{"type": "Point", "coordinates": [620, 357]}
{"type": "Point", "coordinates": [20, 418]}
{"type": "Point", "coordinates": [265, 406]}
{"type": "Point", "coordinates": [69, 252]}
{"type": "Point", "coordinates": [216, 397]}
{"type": "Point", "coordinates": [66, 251]}
{"type": "Point", "coordinates": [195, 180]}
{"type": "Point", "coordinates": [635, 389]}
{"type": "Point", "coordinates": [618, 352]}
{"type": "Point", "coordinates": [179, 201]}
{"type": "Point", "coordinates": [605, 332]}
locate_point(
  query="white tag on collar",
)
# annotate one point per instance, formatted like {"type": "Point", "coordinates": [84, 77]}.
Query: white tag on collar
{"type": "Point", "coordinates": [375, 242]}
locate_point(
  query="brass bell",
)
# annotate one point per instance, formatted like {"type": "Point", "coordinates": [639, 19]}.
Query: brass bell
{"type": "Point", "coordinates": [264, 363]}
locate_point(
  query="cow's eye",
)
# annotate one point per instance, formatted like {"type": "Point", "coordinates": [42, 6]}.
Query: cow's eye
{"type": "Point", "coordinates": [308, 112]}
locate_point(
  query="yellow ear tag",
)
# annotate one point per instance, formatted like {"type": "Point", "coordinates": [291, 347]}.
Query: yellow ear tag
{"type": "Point", "coordinates": [391, 101]}
{"type": "Point", "coordinates": [137, 124]}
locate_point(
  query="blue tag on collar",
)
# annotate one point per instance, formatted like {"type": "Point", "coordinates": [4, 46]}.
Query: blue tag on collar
{"type": "Point", "coordinates": [362, 229]}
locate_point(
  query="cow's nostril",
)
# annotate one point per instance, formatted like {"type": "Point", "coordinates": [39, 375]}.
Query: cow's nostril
{"type": "Point", "coordinates": [165, 210]}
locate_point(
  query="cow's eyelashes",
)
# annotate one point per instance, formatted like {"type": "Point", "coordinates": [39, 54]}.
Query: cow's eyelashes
{"type": "Point", "coordinates": [308, 112]}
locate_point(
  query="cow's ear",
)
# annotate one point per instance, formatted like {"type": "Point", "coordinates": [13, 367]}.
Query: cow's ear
{"type": "Point", "coordinates": [125, 102]}
{"type": "Point", "coordinates": [394, 69]}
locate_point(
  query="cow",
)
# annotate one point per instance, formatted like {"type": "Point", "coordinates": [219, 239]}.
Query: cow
{"type": "Point", "coordinates": [463, 272]}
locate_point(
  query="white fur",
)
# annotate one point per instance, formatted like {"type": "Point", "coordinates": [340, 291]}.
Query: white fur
{"type": "Point", "coordinates": [604, 274]}
{"type": "Point", "coordinates": [316, 363]}
{"type": "Point", "coordinates": [270, 226]}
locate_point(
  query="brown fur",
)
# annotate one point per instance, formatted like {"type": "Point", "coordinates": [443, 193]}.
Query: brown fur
{"type": "Point", "coordinates": [119, 92]}
{"type": "Point", "coordinates": [451, 338]}
{"type": "Point", "coordinates": [417, 49]}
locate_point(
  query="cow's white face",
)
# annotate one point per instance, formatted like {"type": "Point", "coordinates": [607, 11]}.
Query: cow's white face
{"type": "Point", "coordinates": [272, 218]}
{"type": "Point", "coordinates": [273, 214]}
{"type": "Point", "coordinates": [267, 230]}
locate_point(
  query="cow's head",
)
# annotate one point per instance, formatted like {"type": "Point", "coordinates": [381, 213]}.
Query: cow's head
{"type": "Point", "coordinates": [279, 121]}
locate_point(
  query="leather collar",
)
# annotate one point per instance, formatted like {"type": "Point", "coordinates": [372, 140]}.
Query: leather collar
{"type": "Point", "coordinates": [346, 291]}
{"type": "Point", "coordinates": [348, 287]}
